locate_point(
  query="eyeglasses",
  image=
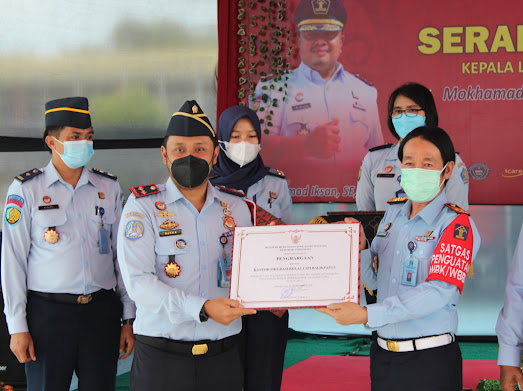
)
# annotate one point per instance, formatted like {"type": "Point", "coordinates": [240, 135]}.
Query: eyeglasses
{"type": "Point", "coordinates": [408, 112]}
{"type": "Point", "coordinates": [319, 34]}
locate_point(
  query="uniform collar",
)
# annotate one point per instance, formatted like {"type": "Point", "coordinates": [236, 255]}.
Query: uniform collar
{"type": "Point", "coordinates": [52, 175]}
{"type": "Point", "coordinates": [174, 194]}
{"type": "Point", "coordinates": [431, 211]}
{"type": "Point", "coordinates": [315, 77]}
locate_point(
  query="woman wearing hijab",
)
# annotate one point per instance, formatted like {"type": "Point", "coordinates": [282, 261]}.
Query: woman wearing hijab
{"type": "Point", "coordinates": [241, 167]}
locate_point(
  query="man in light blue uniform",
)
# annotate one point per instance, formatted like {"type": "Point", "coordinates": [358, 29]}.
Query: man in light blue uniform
{"type": "Point", "coordinates": [62, 288]}
{"type": "Point", "coordinates": [509, 328]}
{"type": "Point", "coordinates": [174, 251]}
{"type": "Point", "coordinates": [320, 119]}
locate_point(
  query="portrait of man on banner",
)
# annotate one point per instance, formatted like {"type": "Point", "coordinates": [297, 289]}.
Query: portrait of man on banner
{"type": "Point", "coordinates": [322, 119]}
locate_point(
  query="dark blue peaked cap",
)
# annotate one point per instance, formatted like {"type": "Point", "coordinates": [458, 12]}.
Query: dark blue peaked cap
{"type": "Point", "coordinates": [72, 112]}
{"type": "Point", "coordinates": [320, 15]}
{"type": "Point", "coordinates": [190, 121]}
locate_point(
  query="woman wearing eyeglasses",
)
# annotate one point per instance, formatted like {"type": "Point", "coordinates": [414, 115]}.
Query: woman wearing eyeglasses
{"type": "Point", "coordinates": [410, 106]}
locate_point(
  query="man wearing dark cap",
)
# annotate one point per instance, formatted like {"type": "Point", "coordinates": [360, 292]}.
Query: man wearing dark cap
{"type": "Point", "coordinates": [326, 116]}
{"type": "Point", "coordinates": [63, 293]}
{"type": "Point", "coordinates": [173, 238]}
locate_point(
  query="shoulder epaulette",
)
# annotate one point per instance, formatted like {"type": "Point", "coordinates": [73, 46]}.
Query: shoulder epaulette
{"type": "Point", "coordinates": [457, 209]}
{"type": "Point", "coordinates": [397, 200]}
{"type": "Point", "coordinates": [104, 173]}
{"type": "Point", "coordinates": [28, 175]}
{"type": "Point", "coordinates": [384, 146]}
{"type": "Point", "coordinates": [142, 191]}
{"type": "Point", "coordinates": [277, 173]}
{"type": "Point", "coordinates": [363, 80]}
{"type": "Point", "coordinates": [235, 192]}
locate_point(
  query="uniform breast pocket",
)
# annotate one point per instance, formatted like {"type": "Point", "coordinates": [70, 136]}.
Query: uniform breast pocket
{"type": "Point", "coordinates": [50, 227]}
{"type": "Point", "coordinates": [167, 246]}
{"type": "Point", "coordinates": [424, 253]}
{"type": "Point", "coordinates": [109, 218]}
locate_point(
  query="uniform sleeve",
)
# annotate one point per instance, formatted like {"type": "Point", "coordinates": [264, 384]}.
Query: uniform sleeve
{"type": "Point", "coordinates": [129, 308]}
{"type": "Point", "coordinates": [137, 260]}
{"type": "Point", "coordinates": [270, 115]}
{"type": "Point", "coordinates": [367, 275]}
{"type": "Point", "coordinates": [286, 205]}
{"type": "Point", "coordinates": [426, 298]}
{"type": "Point", "coordinates": [16, 244]}
{"type": "Point", "coordinates": [365, 187]}
{"type": "Point", "coordinates": [509, 326]}
{"type": "Point", "coordinates": [457, 187]}
{"type": "Point", "coordinates": [375, 137]}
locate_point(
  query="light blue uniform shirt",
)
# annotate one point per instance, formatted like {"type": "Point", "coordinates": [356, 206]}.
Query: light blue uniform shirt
{"type": "Point", "coordinates": [380, 177]}
{"type": "Point", "coordinates": [309, 101]}
{"type": "Point", "coordinates": [73, 264]}
{"type": "Point", "coordinates": [509, 327]}
{"type": "Point", "coordinates": [429, 308]}
{"type": "Point", "coordinates": [281, 206]}
{"type": "Point", "coordinates": [169, 307]}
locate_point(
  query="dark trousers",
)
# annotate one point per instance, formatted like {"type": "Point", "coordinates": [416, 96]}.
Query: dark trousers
{"type": "Point", "coordinates": [72, 337]}
{"type": "Point", "coordinates": [265, 340]}
{"type": "Point", "coordinates": [436, 369]}
{"type": "Point", "coordinates": [158, 370]}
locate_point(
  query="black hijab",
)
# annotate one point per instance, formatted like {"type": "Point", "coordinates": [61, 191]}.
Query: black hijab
{"type": "Point", "coordinates": [228, 173]}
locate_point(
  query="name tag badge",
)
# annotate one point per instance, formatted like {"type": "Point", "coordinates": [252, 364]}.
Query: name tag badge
{"type": "Point", "coordinates": [383, 175]}
{"type": "Point", "coordinates": [103, 241]}
{"type": "Point", "coordinates": [410, 271]}
{"type": "Point", "coordinates": [224, 273]}
{"type": "Point", "coordinates": [382, 234]}
{"type": "Point", "coordinates": [303, 106]}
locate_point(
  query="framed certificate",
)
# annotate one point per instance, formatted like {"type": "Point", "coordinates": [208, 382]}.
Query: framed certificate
{"type": "Point", "coordinates": [295, 266]}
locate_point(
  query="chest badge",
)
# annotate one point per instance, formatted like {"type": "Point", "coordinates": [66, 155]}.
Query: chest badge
{"type": "Point", "coordinates": [51, 236]}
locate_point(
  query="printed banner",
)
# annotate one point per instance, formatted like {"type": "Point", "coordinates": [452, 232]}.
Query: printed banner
{"type": "Point", "coordinates": [317, 131]}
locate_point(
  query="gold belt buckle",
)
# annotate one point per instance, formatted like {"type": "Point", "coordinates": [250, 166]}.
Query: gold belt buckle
{"type": "Point", "coordinates": [200, 349]}
{"type": "Point", "coordinates": [84, 299]}
{"type": "Point", "coordinates": [393, 346]}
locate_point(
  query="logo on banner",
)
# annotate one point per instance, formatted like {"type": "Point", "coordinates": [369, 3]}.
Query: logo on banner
{"type": "Point", "coordinates": [512, 173]}
{"type": "Point", "coordinates": [479, 171]}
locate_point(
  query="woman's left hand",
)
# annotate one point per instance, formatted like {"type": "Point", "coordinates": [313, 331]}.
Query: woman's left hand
{"type": "Point", "coordinates": [346, 313]}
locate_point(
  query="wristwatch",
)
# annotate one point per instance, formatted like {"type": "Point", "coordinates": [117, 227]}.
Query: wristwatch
{"type": "Point", "coordinates": [203, 316]}
{"type": "Point", "coordinates": [128, 321]}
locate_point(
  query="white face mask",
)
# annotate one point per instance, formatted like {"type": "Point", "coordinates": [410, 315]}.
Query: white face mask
{"type": "Point", "coordinates": [241, 153]}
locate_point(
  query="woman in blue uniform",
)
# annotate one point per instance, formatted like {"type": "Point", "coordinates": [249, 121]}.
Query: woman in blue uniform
{"type": "Point", "coordinates": [241, 167]}
{"type": "Point", "coordinates": [422, 253]}
{"type": "Point", "coordinates": [410, 106]}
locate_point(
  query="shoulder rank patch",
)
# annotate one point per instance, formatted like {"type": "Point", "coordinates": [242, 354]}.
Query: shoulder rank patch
{"type": "Point", "coordinates": [28, 175]}
{"type": "Point", "coordinates": [142, 191]}
{"type": "Point", "coordinates": [104, 173]}
{"type": "Point", "coordinates": [235, 192]}
{"type": "Point", "coordinates": [384, 146]}
{"type": "Point", "coordinates": [397, 200]}
{"type": "Point", "coordinates": [277, 173]}
{"type": "Point", "coordinates": [363, 80]}
{"type": "Point", "coordinates": [457, 209]}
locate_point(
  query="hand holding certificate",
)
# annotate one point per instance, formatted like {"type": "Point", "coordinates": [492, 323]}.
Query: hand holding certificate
{"type": "Point", "coordinates": [293, 266]}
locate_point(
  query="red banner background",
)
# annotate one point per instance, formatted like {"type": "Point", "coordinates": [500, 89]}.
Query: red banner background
{"type": "Point", "coordinates": [468, 53]}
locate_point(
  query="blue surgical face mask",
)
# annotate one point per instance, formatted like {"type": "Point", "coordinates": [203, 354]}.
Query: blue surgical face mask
{"type": "Point", "coordinates": [403, 125]}
{"type": "Point", "coordinates": [421, 185]}
{"type": "Point", "coordinates": [76, 153]}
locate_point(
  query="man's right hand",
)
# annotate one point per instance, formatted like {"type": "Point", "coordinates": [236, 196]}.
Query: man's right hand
{"type": "Point", "coordinates": [22, 346]}
{"type": "Point", "coordinates": [324, 140]}
{"type": "Point", "coordinates": [224, 310]}
{"type": "Point", "coordinates": [509, 377]}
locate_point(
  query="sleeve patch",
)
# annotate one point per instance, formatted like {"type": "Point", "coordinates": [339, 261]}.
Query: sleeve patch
{"type": "Point", "coordinates": [12, 215]}
{"type": "Point", "coordinates": [134, 230]}
{"type": "Point", "coordinates": [452, 258]}
{"type": "Point", "coordinates": [16, 200]}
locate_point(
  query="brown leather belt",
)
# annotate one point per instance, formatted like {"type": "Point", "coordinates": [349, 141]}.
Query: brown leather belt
{"type": "Point", "coordinates": [189, 348]}
{"type": "Point", "coordinates": [68, 298]}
